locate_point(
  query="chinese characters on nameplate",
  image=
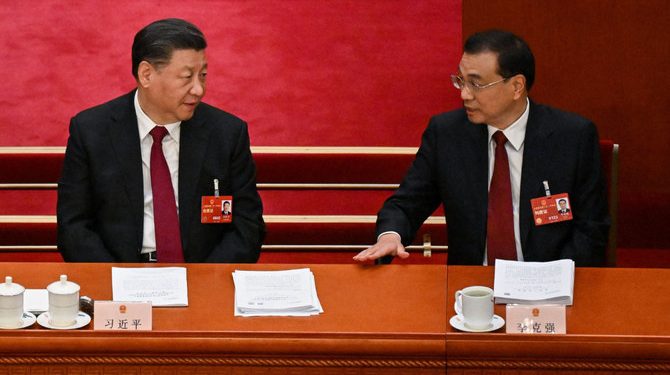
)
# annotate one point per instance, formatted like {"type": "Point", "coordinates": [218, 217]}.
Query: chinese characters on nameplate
{"type": "Point", "coordinates": [546, 319]}
{"type": "Point", "coordinates": [122, 316]}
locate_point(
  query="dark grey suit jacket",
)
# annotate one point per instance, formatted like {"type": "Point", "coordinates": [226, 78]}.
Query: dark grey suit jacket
{"type": "Point", "coordinates": [451, 167]}
{"type": "Point", "coordinates": [100, 193]}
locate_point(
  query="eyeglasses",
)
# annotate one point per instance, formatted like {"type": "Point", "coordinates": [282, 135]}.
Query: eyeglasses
{"type": "Point", "coordinates": [459, 83]}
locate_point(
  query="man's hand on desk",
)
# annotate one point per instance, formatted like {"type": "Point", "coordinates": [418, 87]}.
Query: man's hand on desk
{"type": "Point", "coordinates": [387, 244]}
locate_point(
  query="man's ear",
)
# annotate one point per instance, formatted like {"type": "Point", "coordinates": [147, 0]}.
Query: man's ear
{"type": "Point", "coordinates": [519, 82]}
{"type": "Point", "coordinates": [145, 72]}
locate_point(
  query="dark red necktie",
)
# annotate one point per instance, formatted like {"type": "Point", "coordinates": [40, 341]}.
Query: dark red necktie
{"type": "Point", "coordinates": [166, 220]}
{"type": "Point", "coordinates": [500, 223]}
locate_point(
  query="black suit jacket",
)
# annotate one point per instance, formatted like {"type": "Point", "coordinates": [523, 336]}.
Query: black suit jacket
{"type": "Point", "coordinates": [100, 193]}
{"type": "Point", "coordinates": [451, 167]}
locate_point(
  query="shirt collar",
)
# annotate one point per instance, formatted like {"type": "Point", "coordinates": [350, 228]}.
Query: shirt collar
{"type": "Point", "coordinates": [145, 124]}
{"type": "Point", "coordinates": [515, 133]}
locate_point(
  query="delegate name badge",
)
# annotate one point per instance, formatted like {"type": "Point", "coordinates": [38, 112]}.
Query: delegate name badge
{"type": "Point", "coordinates": [551, 208]}
{"type": "Point", "coordinates": [217, 209]}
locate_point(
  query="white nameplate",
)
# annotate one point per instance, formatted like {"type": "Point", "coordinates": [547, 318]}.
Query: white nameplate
{"type": "Point", "coordinates": [536, 319]}
{"type": "Point", "coordinates": [122, 316]}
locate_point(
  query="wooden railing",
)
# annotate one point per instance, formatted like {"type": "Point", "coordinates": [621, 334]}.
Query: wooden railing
{"type": "Point", "coordinates": [319, 202]}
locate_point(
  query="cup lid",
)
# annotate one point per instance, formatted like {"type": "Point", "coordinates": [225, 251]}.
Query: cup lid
{"type": "Point", "coordinates": [9, 288]}
{"type": "Point", "coordinates": [63, 286]}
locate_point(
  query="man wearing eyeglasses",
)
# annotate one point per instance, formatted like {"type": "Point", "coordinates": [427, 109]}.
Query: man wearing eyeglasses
{"type": "Point", "coordinates": [491, 164]}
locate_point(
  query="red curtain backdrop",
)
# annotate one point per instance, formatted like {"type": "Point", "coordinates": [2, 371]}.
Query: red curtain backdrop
{"type": "Point", "coordinates": [301, 72]}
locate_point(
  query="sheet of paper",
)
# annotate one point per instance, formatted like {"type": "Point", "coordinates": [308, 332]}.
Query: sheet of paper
{"type": "Point", "coordinates": [162, 286]}
{"type": "Point", "coordinates": [36, 300]}
{"type": "Point", "coordinates": [276, 293]}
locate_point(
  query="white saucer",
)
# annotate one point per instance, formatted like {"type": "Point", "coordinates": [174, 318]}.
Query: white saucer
{"type": "Point", "coordinates": [27, 320]}
{"type": "Point", "coordinates": [82, 320]}
{"type": "Point", "coordinates": [457, 322]}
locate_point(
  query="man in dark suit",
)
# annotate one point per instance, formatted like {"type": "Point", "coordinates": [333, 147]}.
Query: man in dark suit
{"type": "Point", "coordinates": [458, 158]}
{"type": "Point", "coordinates": [111, 206]}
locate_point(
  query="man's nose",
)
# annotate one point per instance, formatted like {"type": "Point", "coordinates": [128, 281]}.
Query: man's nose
{"type": "Point", "coordinates": [198, 88]}
{"type": "Point", "coordinates": [466, 94]}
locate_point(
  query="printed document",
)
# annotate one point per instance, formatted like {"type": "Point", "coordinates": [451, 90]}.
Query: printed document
{"type": "Point", "coordinates": [276, 293]}
{"type": "Point", "coordinates": [534, 283]}
{"type": "Point", "coordinates": [162, 286]}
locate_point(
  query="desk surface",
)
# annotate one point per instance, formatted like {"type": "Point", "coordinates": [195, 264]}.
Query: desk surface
{"type": "Point", "coordinates": [619, 321]}
{"type": "Point", "coordinates": [395, 313]}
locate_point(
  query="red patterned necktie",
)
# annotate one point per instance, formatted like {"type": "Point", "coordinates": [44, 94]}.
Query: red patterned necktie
{"type": "Point", "coordinates": [500, 222]}
{"type": "Point", "coordinates": [166, 221]}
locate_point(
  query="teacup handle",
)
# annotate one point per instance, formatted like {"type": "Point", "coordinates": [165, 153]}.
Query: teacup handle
{"type": "Point", "coordinates": [458, 304]}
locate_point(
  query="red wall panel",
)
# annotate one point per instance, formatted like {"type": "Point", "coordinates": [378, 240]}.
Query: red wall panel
{"type": "Point", "coordinates": [301, 72]}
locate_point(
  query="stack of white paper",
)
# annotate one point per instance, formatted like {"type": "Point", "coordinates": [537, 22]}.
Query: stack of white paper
{"type": "Point", "coordinates": [276, 293]}
{"type": "Point", "coordinates": [534, 282]}
{"type": "Point", "coordinates": [162, 286]}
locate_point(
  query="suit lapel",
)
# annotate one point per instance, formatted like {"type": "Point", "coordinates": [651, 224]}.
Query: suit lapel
{"type": "Point", "coordinates": [478, 136]}
{"type": "Point", "coordinates": [192, 150]}
{"type": "Point", "coordinates": [536, 142]}
{"type": "Point", "coordinates": [125, 139]}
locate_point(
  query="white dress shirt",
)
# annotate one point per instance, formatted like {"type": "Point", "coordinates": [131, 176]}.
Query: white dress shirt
{"type": "Point", "coordinates": [171, 151]}
{"type": "Point", "coordinates": [516, 134]}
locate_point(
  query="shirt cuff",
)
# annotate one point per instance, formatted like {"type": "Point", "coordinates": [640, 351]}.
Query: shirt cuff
{"type": "Point", "coordinates": [390, 231]}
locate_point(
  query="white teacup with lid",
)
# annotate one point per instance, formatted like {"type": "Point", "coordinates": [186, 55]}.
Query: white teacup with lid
{"type": "Point", "coordinates": [63, 302]}
{"type": "Point", "coordinates": [11, 304]}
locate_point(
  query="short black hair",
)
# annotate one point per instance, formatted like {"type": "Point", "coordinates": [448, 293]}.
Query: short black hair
{"type": "Point", "coordinates": [514, 55]}
{"type": "Point", "coordinates": [156, 41]}
{"type": "Point", "coordinates": [562, 200]}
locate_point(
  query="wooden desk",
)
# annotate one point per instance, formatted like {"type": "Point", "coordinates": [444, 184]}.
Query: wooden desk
{"type": "Point", "coordinates": [389, 319]}
{"type": "Point", "coordinates": [619, 322]}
